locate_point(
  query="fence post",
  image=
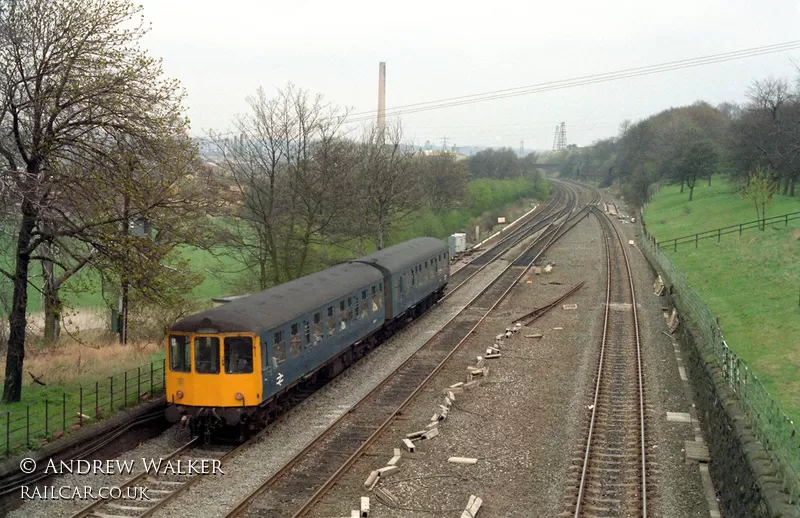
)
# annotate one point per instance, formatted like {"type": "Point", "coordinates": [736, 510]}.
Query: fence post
{"type": "Point", "coordinates": [787, 221]}
{"type": "Point", "coordinates": [80, 407]}
{"type": "Point", "coordinates": [8, 434]}
{"type": "Point", "coordinates": [111, 399]}
{"type": "Point", "coordinates": [46, 413]}
{"type": "Point", "coordinates": [740, 229]}
{"type": "Point", "coordinates": [695, 240]}
{"type": "Point", "coordinates": [151, 379]}
{"type": "Point", "coordinates": [138, 383]}
{"type": "Point", "coordinates": [27, 426]}
{"type": "Point", "coordinates": [64, 411]}
{"type": "Point", "coordinates": [675, 249]}
{"type": "Point", "coordinates": [125, 390]}
{"type": "Point", "coordinates": [719, 234]}
{"type": "Point", "coordinates": [96, 399]}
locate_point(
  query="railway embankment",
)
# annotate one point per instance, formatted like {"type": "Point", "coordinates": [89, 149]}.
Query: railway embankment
{"type": "Point", "coordinates": [753, 446]}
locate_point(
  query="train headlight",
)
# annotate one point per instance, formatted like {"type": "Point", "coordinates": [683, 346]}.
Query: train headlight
{"type": "Point", "coordinates": [239, 396]}
{"type": "Point", "coordinates": [179, 394]}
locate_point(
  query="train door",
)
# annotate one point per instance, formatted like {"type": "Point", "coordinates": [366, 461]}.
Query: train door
{"type": "Point", "coordinates": [387, 297]}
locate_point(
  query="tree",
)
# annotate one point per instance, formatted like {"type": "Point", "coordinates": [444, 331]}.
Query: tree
{"type": "Point", "coordinates": [699, 161]}
{"type": "Point", "coordinates": [760, 188]}
{"type": "Point", "coordinates": [293, 173]}
{"type": "Point", "coordinates": [74, 84]}
{"type": "Point", "coordinates": [388, 184]}
{"type": "Point", "coordinates": [444, 179]}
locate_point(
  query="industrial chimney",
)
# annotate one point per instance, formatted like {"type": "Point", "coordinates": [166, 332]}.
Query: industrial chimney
{"type": "Point", "coordinates": [382, 97]}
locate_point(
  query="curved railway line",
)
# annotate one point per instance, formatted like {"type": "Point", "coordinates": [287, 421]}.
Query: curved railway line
{"type": "Point", "coordinates": [611, 479]}
{"type": "Point", "coordinates": [165, 487]}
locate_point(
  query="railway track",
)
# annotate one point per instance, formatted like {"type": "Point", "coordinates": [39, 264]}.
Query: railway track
{"type": "Point", "coordinates": [165, 486]}
{"type": "Point", "coordinates": [610, 478]}
{"type": "Point", "coordinates": [296, 487]}
{"type": "Point", "coordinates": [162, 484]}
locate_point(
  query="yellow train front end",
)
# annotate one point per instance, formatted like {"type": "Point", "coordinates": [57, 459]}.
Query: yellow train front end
{"type": "Point", "coordinates": [212, 377]}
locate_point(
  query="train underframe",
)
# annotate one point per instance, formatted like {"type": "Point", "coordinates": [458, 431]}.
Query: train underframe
{"type": "Point", "coordinates": [235, 424]}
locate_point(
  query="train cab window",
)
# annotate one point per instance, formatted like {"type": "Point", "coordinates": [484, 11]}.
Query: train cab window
{"type": "Point", "coordinates": [278, 350]}
{"type": "Point", "coordinates": [317, 328]}
{"type": "Point", "coordinates": [206, 355]}
{"type": "Point", "coordinates": [238, 355]}
{"type": "Point", "coordinates": [330, 321]}
{"type": "Point", "coordinates": [294, 342]}
{"type": "Point", "coordinates": [179, 354]}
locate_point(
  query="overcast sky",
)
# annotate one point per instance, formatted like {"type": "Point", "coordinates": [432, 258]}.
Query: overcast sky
{"type": "Point", "coordinates": [223, 51]}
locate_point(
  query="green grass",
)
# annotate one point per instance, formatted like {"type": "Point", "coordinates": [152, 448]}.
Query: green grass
{"type": "Point", "coordinates": [752, 282]}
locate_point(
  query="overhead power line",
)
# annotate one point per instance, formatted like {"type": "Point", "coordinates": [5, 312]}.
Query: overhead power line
{"type": "Point", "coordinates": [581, 80]}
{"type": "Point", "coordinates": [573, 82]}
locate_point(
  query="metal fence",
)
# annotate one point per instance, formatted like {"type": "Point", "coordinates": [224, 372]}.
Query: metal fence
{"type": "Point", "coordinates": [40, 423]}
{"type": "Point", "coordinates": [772, 427]}
{"type": "Point", "coordinates": [719, 232]}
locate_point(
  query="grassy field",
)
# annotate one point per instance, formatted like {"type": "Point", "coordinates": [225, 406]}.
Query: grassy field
{"type": "Point", "coordinates": [752, 282]}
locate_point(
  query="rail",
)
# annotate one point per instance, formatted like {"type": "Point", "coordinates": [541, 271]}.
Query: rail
{"type": "Point", "coordinates": [773, 428]}
{"type": "Point", "coordinates": [719, 232]}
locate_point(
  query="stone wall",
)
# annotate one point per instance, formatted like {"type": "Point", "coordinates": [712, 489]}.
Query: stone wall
{"type": "Point", "coordinates": [741, 469]}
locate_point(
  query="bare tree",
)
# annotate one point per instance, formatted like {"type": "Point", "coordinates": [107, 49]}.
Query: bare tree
{"type": "Point", "coordinates": [73, 84]}
{"type": "Point", "coordinates": [389, 184]}
{"type": "Point", "coordinates": [292, 170]}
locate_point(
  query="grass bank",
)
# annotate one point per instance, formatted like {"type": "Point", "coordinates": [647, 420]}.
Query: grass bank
{"type": "Point", "coordinates": [752, 282]}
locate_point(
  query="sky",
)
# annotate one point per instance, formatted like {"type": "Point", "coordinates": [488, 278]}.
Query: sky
{"type": "Point", "coordinates": [222, 52]}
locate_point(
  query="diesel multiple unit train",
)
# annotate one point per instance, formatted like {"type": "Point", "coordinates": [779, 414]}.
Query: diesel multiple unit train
{"type": "Point", "coordinates": [235, 364]}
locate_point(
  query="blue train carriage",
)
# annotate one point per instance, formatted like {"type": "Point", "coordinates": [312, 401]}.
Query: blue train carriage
{"type": "Point", "coordinates": [237, 356]}
{"type": "Point", "coordinates": [229, 364]}
{"type": "Point", "coordinates": [415, 275]}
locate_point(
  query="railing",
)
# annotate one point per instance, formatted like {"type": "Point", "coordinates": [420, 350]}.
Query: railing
{"type": "Point", "coordinates": [772, 427]}
{"type": "Point", "coordinates": [718, 233]}
{"type": "Point", "coordinates": [41, 423]}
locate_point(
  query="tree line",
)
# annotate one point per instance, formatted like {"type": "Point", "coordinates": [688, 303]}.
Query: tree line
{"type": "Point", "coordinates": [757, 144]}
{"type": "Point", "coordinates": [99, 173]}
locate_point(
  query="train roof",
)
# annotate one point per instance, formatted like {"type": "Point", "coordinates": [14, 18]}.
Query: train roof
{"type": "Point", "coordinates": [404, 255]}
{"type": "Point", "coordinates": [283, 303]}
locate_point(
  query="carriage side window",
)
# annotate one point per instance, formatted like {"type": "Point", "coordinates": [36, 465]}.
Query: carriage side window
{"type": "Point", "coordinates": [348, 313]}
{"type": "Point", "coordinates": [413, 278]}
{"type": "Point", "coordinates": [278, 350]}
{"type": "Point", "coordinates": [364, 305]}
{"type": "Point", "coordinates": [306, 332]}
{"type": "Point", "coordinates": [294, 341]}
{"type": "Point", "coordinates": [317, 328]}
{"type": "Point", "coordinates": [330, 321]}
{"type": "Point", "coordinates": [206, 355]}
{"type": "Point", "coordinates": [358, 308]}
{"type": "Point", "coordinates": [376, 299]}
{"type": "Point", "coordinates": [342, 315]}
{"type": "Point", "coordinates": [436, 265]}
{"type": "Point", "coordinates": [179, 354]}
{"type": "Point", "coordinates": [238, 355]}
